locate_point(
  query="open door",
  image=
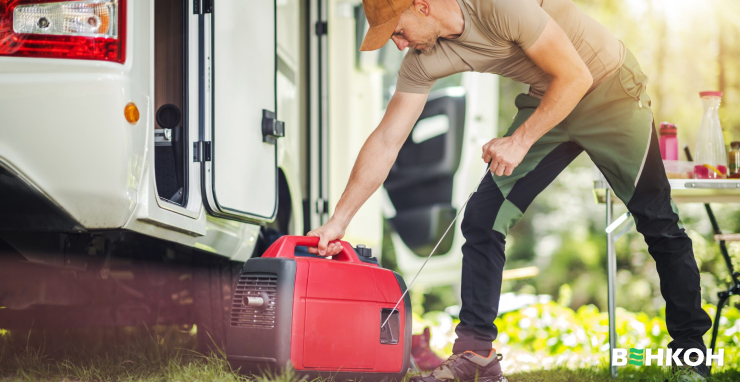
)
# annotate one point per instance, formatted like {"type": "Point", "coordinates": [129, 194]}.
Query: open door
{"type": "Point", "coordinates": [239, 145]}
{"type": "Point", "coordinates": [420, 183]}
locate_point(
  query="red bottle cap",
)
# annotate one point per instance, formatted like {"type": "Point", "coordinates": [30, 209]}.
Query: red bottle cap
{"type": "Point", "coordinates": [711, 93]}
{"type": "Point", "coordinates": [667, 128]}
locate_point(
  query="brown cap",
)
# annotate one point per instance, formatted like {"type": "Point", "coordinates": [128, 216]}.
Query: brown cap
{"type": "Point", "coordinates": [382, 15]}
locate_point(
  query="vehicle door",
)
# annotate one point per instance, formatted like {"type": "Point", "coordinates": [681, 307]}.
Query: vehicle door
{"type": "Point", "coordinates": [240, 132]}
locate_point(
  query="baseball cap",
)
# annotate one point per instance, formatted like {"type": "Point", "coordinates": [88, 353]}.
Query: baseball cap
{"type": "Point", "coordinates": [382, 15]}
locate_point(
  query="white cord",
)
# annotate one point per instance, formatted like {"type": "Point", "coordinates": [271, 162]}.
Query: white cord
{"type": "Point", "coordinates": [433, 250]}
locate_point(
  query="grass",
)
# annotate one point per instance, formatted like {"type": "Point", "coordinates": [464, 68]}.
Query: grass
{"type": "Point", "coordinates": [166, 354]}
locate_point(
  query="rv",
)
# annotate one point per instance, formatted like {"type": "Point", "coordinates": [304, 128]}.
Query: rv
{"type": "Point", "coordinates": [149, 148]}
{"type": "Point", "coordinates": [148, 145]}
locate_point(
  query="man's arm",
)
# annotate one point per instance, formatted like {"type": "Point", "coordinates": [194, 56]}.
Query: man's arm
{"type": "Point", "coordinates": [555, 54]}
{"type": "Point", "coordinates": [371, 167]}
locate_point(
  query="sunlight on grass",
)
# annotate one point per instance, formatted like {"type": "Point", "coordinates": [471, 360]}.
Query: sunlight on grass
{"type": "Point", "coordinates": [167, 354]}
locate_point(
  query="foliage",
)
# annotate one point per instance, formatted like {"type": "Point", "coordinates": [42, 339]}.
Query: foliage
{"type": "Point", "coordinates": [684, 47]}
{"type": "Point", "coordinates": [552, 335]}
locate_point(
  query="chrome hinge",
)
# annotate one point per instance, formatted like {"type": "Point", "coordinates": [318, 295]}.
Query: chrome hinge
{"type": "Point", "coordinates": [202, 151]}
{"type": "Point", "coordinates": [202, 6]}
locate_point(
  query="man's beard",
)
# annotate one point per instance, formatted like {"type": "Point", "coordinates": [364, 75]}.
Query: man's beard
{"type": "Point", "coordinates": [427, 46]}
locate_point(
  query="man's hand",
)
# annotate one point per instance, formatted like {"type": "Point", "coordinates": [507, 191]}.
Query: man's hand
{"type": "Point", "coordinates": [504, 154]}
{"type": "Point", "coordinates": [330, 231]}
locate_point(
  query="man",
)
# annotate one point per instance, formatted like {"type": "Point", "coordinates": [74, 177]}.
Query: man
{"type": "Point", "coordinates": [587, 92]}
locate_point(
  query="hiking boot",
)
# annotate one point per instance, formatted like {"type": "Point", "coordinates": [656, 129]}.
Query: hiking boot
{"type": "Point", "coordinates": [466, 367]}
{"type": "Point", "coordinates": [686, 373]}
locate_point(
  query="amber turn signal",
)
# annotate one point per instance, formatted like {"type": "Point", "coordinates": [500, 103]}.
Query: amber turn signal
{"type": "Point", "coordinates": [131, 112]}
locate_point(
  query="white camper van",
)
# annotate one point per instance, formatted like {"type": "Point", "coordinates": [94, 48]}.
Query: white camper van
{"type": "Point", "coordinates": [148, 147]}
{"type": "Point", "coordinates": [168, 133]}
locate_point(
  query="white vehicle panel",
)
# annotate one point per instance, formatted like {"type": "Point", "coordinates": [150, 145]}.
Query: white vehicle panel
{"type": "Point", "coordinates": [63, 129]}
{"type": "Point", "coordinates": [243, 169]}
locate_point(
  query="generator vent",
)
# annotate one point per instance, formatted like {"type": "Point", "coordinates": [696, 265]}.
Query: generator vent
{"type": "Point", "coordinates": [254, 301]}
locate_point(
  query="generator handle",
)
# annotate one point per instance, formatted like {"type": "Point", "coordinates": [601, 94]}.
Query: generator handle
{"type": "Point", "coordinates": [284, 247]}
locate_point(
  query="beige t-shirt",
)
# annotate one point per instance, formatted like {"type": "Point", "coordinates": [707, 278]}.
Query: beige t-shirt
{"type": "Point", "coordinates": [495, 36]}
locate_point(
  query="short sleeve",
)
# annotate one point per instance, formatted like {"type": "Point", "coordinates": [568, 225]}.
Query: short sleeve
{"type": "Point", "coordinates": [519, 21]}
{"type": "Point", "coordinates": [412, 77]}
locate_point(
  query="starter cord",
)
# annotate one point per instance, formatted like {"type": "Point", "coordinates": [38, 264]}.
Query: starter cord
{"type": "Point", "coordinates": [434, 249]}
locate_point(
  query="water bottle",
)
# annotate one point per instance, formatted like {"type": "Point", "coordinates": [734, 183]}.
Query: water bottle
{"type": "Point", "coordinates": [710, 161]}
{"type": "Point", "coordinates": [668, 141]}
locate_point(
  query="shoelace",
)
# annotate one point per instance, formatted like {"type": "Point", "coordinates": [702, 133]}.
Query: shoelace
{"type": "Point", "coordinates": [443, 364]}
{"type": "Point", "coordinates": [452, 358]}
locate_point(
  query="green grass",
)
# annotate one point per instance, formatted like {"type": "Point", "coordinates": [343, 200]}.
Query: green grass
{"type": "Point", "coordinates": [166, 354]}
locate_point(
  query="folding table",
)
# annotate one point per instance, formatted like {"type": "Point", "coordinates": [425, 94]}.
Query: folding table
{"type": "Point", "coordinates": [682, 191]}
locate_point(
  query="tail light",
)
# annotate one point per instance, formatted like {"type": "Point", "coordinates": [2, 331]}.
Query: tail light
{"type": "Point", "coordinates": [80, 29]}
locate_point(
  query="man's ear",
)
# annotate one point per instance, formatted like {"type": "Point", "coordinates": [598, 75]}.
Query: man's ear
{"type": "Point", "coordinates": [422, 7]}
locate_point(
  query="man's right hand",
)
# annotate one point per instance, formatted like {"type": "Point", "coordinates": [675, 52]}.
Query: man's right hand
{"type": "Point", "coordinates": [331, 231]}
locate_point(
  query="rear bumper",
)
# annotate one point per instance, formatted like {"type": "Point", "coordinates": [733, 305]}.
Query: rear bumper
{"type": "Point", "coordinates": [70, 140]}
{"type": "Point", "coordinates": [24, 208]}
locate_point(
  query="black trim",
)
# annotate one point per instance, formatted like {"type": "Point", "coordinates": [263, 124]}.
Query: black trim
{"type": "Point", "coordinates": [308, 197]}
{"type": "Point", "coordinates": [389, 336]}
{"type": "Point", "coordinates": [185, 112]}
{"type": "Point", "coordinates": [323, 92]}
{"type": "Point", "coordinates": [201, 79]}
{"type": "Point", "coordinates": [407, 328]}
{"type": "Point", "coordinates": [222, 211]}
{"type": "Point", "coordinates": [366, 255]}
{"type": "Point", "coordinates": [258, 349]}
{"type": "Point", "coordinates": [24, 208]}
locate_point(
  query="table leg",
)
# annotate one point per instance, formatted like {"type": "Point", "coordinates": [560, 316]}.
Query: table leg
{"type": "Point", "coordinates": [611, 276]}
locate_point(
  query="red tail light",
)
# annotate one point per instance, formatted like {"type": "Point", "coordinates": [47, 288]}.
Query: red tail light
{"type": "Point", "coordinates": [78, 29]}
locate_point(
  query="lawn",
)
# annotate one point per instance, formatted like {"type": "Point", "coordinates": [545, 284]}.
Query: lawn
{"type": "Point", "coordinates": [167, 354]}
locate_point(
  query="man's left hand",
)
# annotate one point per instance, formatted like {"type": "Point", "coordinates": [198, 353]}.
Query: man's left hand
{"type": "Point", "coordinates": [504, 154]}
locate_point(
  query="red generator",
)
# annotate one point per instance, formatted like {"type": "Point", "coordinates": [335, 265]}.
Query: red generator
{"type": "Point", "coordinates": [320, 316]}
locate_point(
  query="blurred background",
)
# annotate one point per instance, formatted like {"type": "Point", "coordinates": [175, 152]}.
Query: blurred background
{"type": "Point", "coordinates": [684, 47]}
{"type": "Point", "coordinates": [164, 266]}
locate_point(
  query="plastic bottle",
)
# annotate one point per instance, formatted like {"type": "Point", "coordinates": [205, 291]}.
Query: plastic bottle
{"type": "Point", "coordinates": [668, 141]}
{"type": "Point", "coordinates": [734, 161]}
{"type": "Point", "coordinates": [711, 158]}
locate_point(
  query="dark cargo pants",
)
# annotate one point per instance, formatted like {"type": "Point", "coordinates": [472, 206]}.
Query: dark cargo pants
{"type": "Point", "coordinates": [614, 125]}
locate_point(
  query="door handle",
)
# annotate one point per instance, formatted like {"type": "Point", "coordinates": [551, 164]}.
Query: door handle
{"type": "Point", "coordinates": [272, 129]}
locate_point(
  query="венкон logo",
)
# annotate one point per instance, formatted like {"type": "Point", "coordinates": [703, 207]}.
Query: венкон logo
{"type": "Point", "coordinates": [666, 357]}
